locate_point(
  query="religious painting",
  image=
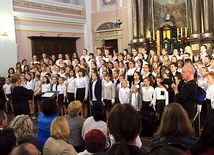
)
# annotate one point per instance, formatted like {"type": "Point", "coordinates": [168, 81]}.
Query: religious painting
{"type": "Point", "coordinates": [107, 26]}
{"type": "Point", "coordinates": [173, 10]}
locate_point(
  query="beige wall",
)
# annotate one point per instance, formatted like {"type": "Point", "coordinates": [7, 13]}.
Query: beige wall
{"type": "Point", "coordinates": [111, 13]}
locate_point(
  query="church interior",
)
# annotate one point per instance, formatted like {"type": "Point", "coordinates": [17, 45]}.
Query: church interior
{"type": "Point", "coordinates": [52, 26]}
{"type": "Point", "coordinates": [31, 28]}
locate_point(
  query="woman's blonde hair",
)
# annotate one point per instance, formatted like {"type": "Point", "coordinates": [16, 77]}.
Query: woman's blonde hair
{"type": "Point", "coordinates": [74, 108]}
{"type": "Point", "coordinates": [188, 49]}
{"type": "Point", "coordinates": [22, 125]}
{"type": "Point", "coordinates": [181, 125]}
{"type": "Point", "coordinates": [59, 128]}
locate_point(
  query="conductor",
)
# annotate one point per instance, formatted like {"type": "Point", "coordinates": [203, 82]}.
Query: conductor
{"type": "Point", "coordinates": [188, 93]}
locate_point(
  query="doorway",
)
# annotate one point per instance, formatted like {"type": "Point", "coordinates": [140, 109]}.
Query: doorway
{"type": "Point", "coordinates": [113, 43]}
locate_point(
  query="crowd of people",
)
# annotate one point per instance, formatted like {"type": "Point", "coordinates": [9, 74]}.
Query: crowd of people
{"type": "Point", "coordinates": [106, 92]}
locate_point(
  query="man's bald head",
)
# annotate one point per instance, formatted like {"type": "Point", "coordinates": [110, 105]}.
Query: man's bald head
{"type": "Point", "coordinates": [188, 72]}
{"type": "Point", "coordinates": [26, 149]}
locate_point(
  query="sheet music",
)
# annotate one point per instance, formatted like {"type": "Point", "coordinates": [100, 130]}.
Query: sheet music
{"type": "Point", "coordinates": [50, 94]}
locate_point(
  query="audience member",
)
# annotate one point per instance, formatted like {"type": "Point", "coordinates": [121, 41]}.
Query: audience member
{"type": "Point", "coordinates": [57, 143]}
{"type": "Point", "coordinates": [8, 141]}
{"type": "Point", "coordinates": [166, 150]}
{"type": "Point", "coordinates": [175, 127]}
{"type": "Point", "coordinates": [49, 112]}
{"type": "Point", "coordinates": [96, 121]}
{"type": "Point", "coordinates": [23, 127]}
{"type": "Point", "coordinates": [205, 144]}
{"type": "Point", "coordinates": [75, 123]}
{"type": "Point", "coordinates": [95, 142]}
{"type": "Point", "coordinates": [125, 125]}
{"type": "Point", "coordinates": [3, 119]}
{"type": "Point", "coordinates": [26, 149]}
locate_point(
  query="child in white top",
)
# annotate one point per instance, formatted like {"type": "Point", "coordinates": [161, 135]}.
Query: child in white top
{"type": "Point", "coordinates": [161, 98]}
{"type": "Point", "coordinates": [124, 92]}
{"type": "Point", "coordinates": [148, 93]}
{"type": "Point", "coordinates": [46, 86]}
{"type": "Point", "coordinates": [210, 92]}
{"type": "Point", "coordinates": [136, 97]}
{"type": "Point", "coordinates": [61, 97]}
{"type": "Point", "coordinates": [7, 94]}
{"type": "Point", "coordinates": [37, 93]}
{"type": "Point", "coordinates": [71, 86]}
{"type": "Point", "coordinates": [30, 86]}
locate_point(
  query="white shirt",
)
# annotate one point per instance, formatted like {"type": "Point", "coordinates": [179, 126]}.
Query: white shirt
{"type": "Point", "coordinates": [147, 93]}
{"type": "Point", "coordinates": [93, 91]}
{"type": "Point", "coordinates": [160, 94]}
{"type": "Point", "coordinates": [82, 82]}
{"type": "Point", "coordinates": [37, 86]}
{"type": "Point", "coordinates": [7, 88]}
{"type": "Point", "coordinates": [202, 82]}
{"type": "Point", "coordinates": [91, 124]}
{"type": "Point", "coordinates": [71, 85]}
{"type": "Point", "coordinates": [46, 87]}
{"type": "Point", "coordinates": [124, 95]}
{"type": "Point", "coordinates": [62, 89]}
{"type": "Point", "coordinates": [210, 94]}
{"type": "Point", "coordinates": [130, 72]}
{"type": "Point", "coordinates": [29, 85]}
{"type": "Point", "coordinates": [134, 101]}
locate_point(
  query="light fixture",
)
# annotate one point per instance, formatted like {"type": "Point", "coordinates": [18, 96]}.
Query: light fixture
{"type": "Point", "coordinates": [4, 33]}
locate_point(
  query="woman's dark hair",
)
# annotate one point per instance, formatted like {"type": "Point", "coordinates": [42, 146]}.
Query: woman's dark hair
{"type": "Point", "coordinates": [98, 111]}
{"type": "Point", "coordinates": [83, 71]}
{"type": "Point", "coordinates": [207, 137]}
{"type": "Point", "coordinates": [11, 68]}
{"type": "Point", "coordinates": [48, 81]}
{"type": "Point", "coordinates": [7, 141]}
{"type": "Point", "coordinates": [49, 107]}
{"type": "Point", "coordinates": [166, 150]}
{"type": "Point", "coordinates": [125, 125]}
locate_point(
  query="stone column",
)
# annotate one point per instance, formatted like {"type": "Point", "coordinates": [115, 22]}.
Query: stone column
{"type": "Point", "coordinates": [134, 20]}
{"type": "Point", "coordinates": [196, 19]}
{"type": "Point", "coordinates": [207, 13]}
{"type": "Point", "coordinates": [142, 20]}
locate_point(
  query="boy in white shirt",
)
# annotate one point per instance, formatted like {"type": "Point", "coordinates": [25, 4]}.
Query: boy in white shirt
{"type": "Point", "coordinates": [124, 92]}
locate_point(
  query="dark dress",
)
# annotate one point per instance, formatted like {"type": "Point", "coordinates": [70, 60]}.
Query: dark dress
{"type": "Point", "coordinates": [20, 97]}
{"type": "Point", "coordinates": [134, 150]}
{"type": "Point", "coordinates": [186, 141]}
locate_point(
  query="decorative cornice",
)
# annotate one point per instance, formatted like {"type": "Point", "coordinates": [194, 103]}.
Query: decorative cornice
{"type": "Point", "coordinates": [39, 17]}
{"type": "Point", "coordinates": [47, 29]}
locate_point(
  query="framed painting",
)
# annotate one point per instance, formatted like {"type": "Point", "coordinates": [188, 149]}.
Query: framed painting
{"type": "Point", "coordinates": [173, 10]}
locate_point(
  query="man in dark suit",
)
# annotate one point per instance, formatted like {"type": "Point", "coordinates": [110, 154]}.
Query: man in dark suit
{"type": "Point", "coordinates": [188, 93]}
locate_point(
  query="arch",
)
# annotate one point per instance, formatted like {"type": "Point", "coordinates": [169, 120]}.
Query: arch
{"type": "Point", "coordinates": [106, 25]}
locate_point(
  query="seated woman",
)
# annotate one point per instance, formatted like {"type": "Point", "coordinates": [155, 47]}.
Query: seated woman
{"type": "Point", "coordinates": [23, 127]}
{"type": "Point", "coordinates": [175, 127]}
{"type": "Point", "coordinates": [96, 121]}
{"type": "Point", "coordinates": [125, 126]}
{"type": "Point", "coordinates": [95, 142]}
{"type": "Point", "coordinates": [57, 144]}
{"type": "Point", "coordinates": [75, 123]}
{"type": "Point", "coordinates": [49, 112]}
{"type": "Point", "coordinates": [205, 143]}
{"type": "Point", "coordinates": [8, 141]}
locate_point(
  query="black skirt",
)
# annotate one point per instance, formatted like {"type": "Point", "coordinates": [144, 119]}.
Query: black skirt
{"type": "Point", "coordinates": [160, 104]}
{"type": "Point", "coordinates": [108, 104]}
{"type": "Point", "coordinates": [70, 97]}
{"type": "Point", "coordinates": [61, 99]}
{"type": "Point", "coordinates": [80, 94]}
{"type": "Point", "coordinates": [146, 107]}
